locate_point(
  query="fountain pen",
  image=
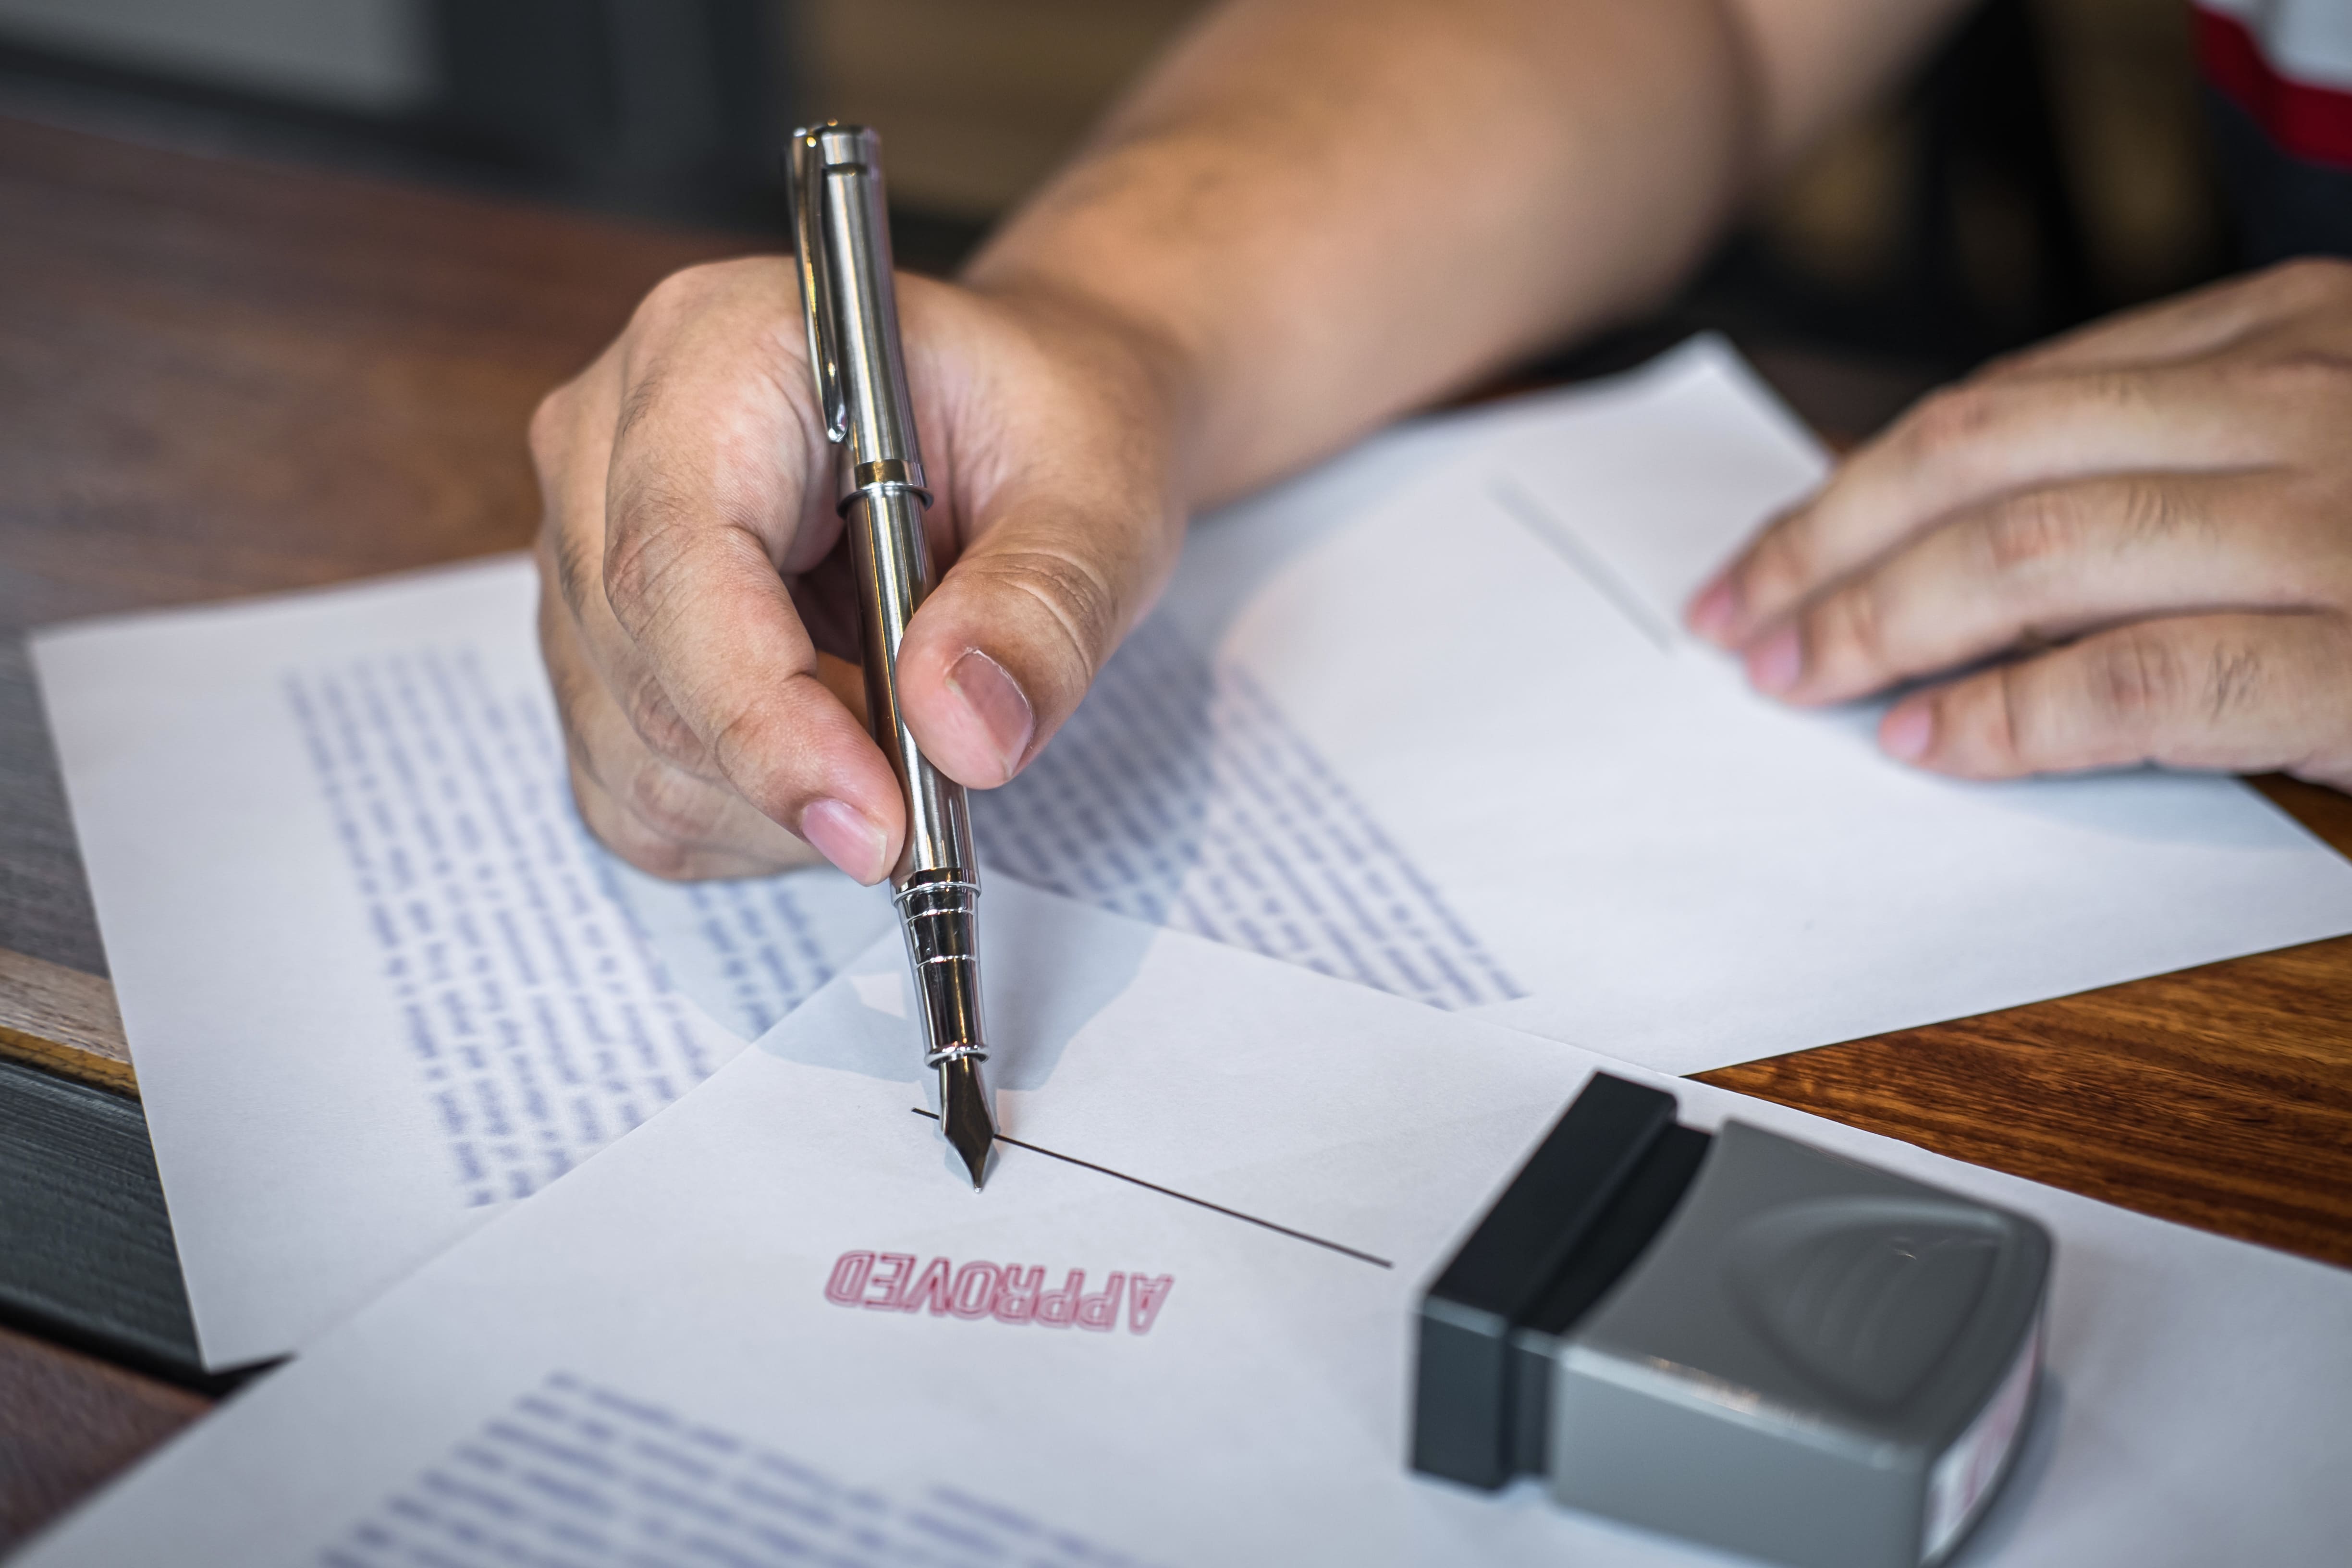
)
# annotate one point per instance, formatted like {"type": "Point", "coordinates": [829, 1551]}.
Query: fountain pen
{"type": "Point", "coordinates": [836, 179]}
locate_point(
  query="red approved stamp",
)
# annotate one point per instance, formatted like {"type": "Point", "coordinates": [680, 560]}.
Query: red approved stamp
{"type": "Point", "coordinates": [1007, 1292]}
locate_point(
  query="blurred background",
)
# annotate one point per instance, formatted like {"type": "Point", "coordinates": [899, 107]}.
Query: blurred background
{"type": "Point", "coordinates": [2050, 163]}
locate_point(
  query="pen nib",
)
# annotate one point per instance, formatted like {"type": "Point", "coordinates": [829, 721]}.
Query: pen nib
{"type": "Point", "coordinates": [964, 1116]}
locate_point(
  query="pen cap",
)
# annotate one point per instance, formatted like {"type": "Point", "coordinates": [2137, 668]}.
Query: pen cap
{"type": "Point", "coordinates": [841, 222]}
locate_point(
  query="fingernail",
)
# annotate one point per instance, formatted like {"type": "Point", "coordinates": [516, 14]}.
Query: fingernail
{"type": "Point", "coordinates": [991, 696]}
{"type": "Point", "coordinates": [1711, 613]}
{"type": "Point", "coordinates": [846, 837]}
{"type": "Point", "coordinates": [1905, 732]}
{"type": "Point", "coordinates": [1774, 663]}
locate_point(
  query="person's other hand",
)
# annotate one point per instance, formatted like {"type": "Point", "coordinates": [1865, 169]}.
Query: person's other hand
{"type": "Point", "coordinates": [2148, 524]}
{"type": "Point", "coordinates": [697, 622]}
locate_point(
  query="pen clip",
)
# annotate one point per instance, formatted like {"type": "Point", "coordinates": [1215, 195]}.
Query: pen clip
{"type": "Point", "coordinates": [816, 279]}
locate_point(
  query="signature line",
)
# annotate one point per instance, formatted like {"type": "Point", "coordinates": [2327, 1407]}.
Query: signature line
{"type": "Point", "coordinates": [1183, 1197]}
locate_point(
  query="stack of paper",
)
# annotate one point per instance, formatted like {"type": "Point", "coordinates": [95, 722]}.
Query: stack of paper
{"type": "Point", "coordinates": [376, 978]}
{"type": "Point", "coordinates": [772, 1327]}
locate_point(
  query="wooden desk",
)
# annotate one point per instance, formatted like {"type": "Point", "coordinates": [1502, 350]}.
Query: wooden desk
{"type": "Point", "coordinates": [224, 379]}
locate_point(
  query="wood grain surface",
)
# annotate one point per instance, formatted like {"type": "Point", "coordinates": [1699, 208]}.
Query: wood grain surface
{"type": "Point", "coordinates": [2220, 1096]}
{"type": "Point", "coordinates": [92, 1420]}
{"type": "Point", "coordinates": [222, 378]}
{"type": "Point", "coordinates": [65, 1021]}
{"type": "Point", "coordinates": [226, 378]}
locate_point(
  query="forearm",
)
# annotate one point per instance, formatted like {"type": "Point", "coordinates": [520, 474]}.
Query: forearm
{"type": "Point", "coordinates": [1325, 212]}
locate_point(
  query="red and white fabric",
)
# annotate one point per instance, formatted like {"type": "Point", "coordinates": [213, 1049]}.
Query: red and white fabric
{"type": "Point", "coordinates": [2288, 64]}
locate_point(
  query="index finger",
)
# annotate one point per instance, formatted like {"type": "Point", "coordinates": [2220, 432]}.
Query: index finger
{"type": "Point", "coordinates": [705, 496]}
{"type": "Point", "coordinates": [2187, 325]}
{"type": "Point", "coordinates": [1963, 446]}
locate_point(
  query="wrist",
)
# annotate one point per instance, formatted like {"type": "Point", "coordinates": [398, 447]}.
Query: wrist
{"type": "Point", "coordinates": [1142, 362]}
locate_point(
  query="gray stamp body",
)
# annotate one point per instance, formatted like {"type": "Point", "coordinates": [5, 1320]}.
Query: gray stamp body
{"type": "Point", "coordinates": [1740, 1340]}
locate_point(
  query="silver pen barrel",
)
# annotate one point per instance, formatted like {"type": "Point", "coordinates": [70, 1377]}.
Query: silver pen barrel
{"type": "Point", "coordinates": [852, 320]}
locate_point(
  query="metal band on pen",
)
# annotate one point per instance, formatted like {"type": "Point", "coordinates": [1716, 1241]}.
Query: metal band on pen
{"type": "Point", "coordinates": [892, 475]}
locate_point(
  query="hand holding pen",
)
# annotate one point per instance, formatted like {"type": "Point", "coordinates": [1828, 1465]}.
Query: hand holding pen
{"type": "Point", "coordinates": [699, 619]}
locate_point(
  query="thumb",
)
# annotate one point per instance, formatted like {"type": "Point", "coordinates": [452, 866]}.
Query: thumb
{"type": "Point", "coordinates": [1006, 645]}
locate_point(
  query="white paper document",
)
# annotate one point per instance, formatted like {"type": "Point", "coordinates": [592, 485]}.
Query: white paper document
{"type": "Point", "coordinates": [376, 978]}
{"type": "Point", "coordinates": [1421, 721]}
{"type": "Point", "coordinates": [1426, 719]}
{"type": "Point", "coordinates": [775, 1327]}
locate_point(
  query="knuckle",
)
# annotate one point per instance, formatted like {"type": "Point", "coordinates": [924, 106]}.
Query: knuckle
{"type": "Point", "coordinates": [671, 807]}
{"type": "Point", "coordinates": [640, 555]}
{"type": "Point", "coordinates": [1951, 418]}
{"type": "Point", "coordinates": [746, 752]}
{"type": "Point", "coordinates": [1780, 563]}
{"type": "Point", "coordinates": [2046, 534]}
{"type": "Point", "coordinates": [2028, 531]}
{"type": "Point", "coordinates": [1080, 600]}
{"type": "Point", "coordinates": [2136, 679]}
{"type": "Point", "coordinates": [2234, 678]}
{"type": "Point", "coordinates": [1999, 723]}
{"type": "Point", "coordinates": [740, 739]}
{"type": "Point", "coordinates": [1850, 626]}
{"type": "Point", "coordinates": [545, 434]}
{"type": "Point", "coordinates": [573, 560]}
{"type": "Point", "coordinates": [621, 833]}
{"type": "Point", "coordinates": [2315, 280]}
{"type": "Point", "coordinates": [644, 396]}
{"type": "Point", "coordinates": [657, 723]}
{"type": "Point", "coordinates": [678, 295]}
{"type": "Point", "coordinates": [2116, 387]}
{"type": "Point", "coordinates": [2305, 374]}
{"type": "Point", "coordinates": [2153, 512]}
